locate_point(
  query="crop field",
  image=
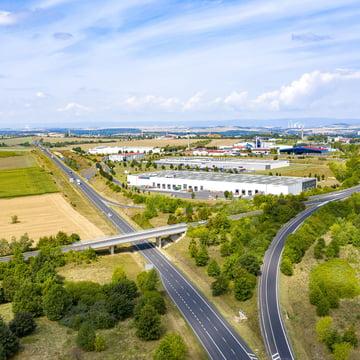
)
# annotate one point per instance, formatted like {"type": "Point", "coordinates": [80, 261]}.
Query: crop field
{"type": "Point", "coordinates": [43, 215]}
{"type": "Point", "coordinates": [17, 161]}
{"type": "Point", "coordinates": [25, 181]}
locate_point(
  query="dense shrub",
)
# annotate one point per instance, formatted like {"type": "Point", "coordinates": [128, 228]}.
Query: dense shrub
{"type": "Point", "coordinates": [152, 298]}
{"type": "Point", "coordinates": [171, 347]}
{"type": "Point", "coordinates": [28, 299]}
{"type": "Point", "coordinates": [9, 343]}
{"type": "Point", "coordinates": [148, 280]}
{"type": "Point", "coordinates": [22, 324]}
{"type": "Point", "coordinates": [244, 286]}
{"type": "Point", "coordinates": [220, 286]}
{"type": "Point", "coordinates": [86, 337]}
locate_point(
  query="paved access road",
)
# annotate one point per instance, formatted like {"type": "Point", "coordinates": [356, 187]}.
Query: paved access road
{"type": "Point", "coordinates": [216, 335]}
{"type": "Point", "coordinates": [273, 329]}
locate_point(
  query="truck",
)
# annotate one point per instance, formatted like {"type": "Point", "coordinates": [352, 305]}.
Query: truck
{"type": "Point", "coordinates": [78, 181]}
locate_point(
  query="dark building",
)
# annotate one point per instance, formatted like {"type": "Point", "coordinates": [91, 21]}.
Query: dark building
{"type": "Point", "coordinates": [300, 150]}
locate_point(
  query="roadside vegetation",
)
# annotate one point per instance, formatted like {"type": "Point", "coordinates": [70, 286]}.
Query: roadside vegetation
{"type": "Point", "coordinates": [99, 316]}
{"type": "Point", "coordinates": [325, 281]}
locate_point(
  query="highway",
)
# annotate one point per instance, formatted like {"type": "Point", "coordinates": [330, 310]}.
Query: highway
{"type": "Point", "coordinates": [273, 329]}
{"type": "Point", "coordinates": [216, 335]}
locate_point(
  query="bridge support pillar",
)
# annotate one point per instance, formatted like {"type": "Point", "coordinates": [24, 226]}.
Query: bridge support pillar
{"type": "Point", "coordinates": [112, 250]}
{"type": "Point", "coordinates": [159, 242]}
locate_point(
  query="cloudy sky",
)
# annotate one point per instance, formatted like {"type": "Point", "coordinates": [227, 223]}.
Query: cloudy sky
{"type": "Point", "coordinates": [126, 62]}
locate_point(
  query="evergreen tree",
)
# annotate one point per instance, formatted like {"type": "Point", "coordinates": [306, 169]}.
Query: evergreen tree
{"type": "Point", "coordinates": [22, 324]}
{"type": "Point", "coordinates": [148, 323]}
{"type": "Point", "coordinates": [9, 343]}
{"type": "Point", "coordinates": [213, 268]}
{"type": "Point", "coordinates": [202, 257]}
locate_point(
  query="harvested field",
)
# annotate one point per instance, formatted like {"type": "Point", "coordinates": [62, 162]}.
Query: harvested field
{"type": "Point", "coordinates": [43, 215]}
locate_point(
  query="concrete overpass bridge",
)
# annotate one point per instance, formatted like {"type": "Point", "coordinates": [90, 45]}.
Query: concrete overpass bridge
{"type": "Point", "coordinates": [111, 242]}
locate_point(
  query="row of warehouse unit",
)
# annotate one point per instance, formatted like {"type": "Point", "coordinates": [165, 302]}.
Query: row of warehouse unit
{"type": "Point", "coordinates": [110, 150]}
{"type": "Point", "coordinates": [238, 184]}
{"type": "Point", "coordinates": [224, 164]}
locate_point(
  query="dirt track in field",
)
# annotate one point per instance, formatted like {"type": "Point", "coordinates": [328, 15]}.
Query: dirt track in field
{"type": "Point", "coordinates": [43, 215]}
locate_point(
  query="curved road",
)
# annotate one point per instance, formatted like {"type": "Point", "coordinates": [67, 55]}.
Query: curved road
{"type": "Point", "coordinates": [272, 325]}
{"type": "Point", "coordinates": [216, 335]}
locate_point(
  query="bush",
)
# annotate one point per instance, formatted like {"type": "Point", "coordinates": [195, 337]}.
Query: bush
{"type": "Point", "coordinates": [9, 343]}
{"type": "Point", "coordinates": [87, 292]}
{"type": "Point", "coordinates": [118, 274]}
{"type": "Point", "coordinates": [56, 301]}
{"type": "Point", "coordinates": [148, 280]}
{"type": "Point", "coordinates": [22, 324]}
{"type": "Point", "coordinates": [341, 351]}
{"type": "Point", "coordinates": [100, 343]}
{"type": "Point", "coordinates": [172, 347]}
{"type": "Point", "coordinates": [86, 337]}
{"type": "Point", "coordinates": [286, 266]}
{"type": "Point", "coordinates": [148, 324]}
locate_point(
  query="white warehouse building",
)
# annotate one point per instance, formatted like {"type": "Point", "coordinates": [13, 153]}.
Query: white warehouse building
{"type": "Point", "coordinates": [110, 150]}
{"type": "Point", "coordinates": [211, 163]}
{"type": "Point", "coordinates": [238, 184]}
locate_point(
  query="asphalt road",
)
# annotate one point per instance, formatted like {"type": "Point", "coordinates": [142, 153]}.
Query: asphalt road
{"type": "Point", "coordinates": [273, 329]}
{"type": "Point", "coordinates": [214, 332]}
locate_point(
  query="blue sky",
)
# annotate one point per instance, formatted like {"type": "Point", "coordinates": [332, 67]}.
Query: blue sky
{"type": "Point", "coordinates": [120, 63]}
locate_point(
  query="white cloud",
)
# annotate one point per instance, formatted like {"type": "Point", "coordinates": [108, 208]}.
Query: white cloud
{"type": "Point", "coordinates": [76, 108]}
{"type": "Point", "coordinates": [41, 95]}
{"type": "Point", "coordinates": [302, 92]}
{"type": "Point", "coordinates": [236, 100]}
{"type": "Point", "coordinates": [196, 101]}
{"type": "Point", "coordinates": [7, 18]}
{"type": "Point", "coordinates": [152, 102]}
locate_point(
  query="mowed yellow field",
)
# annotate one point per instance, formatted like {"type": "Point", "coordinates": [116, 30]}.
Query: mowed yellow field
{"type": "Point", "coordinates": [43, 215]}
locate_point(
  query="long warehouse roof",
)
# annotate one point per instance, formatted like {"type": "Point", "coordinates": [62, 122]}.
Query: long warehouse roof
{"type": "Point", "coordinates": [221, 177]}
{"type": "Point", "coordinates": [219, 160]}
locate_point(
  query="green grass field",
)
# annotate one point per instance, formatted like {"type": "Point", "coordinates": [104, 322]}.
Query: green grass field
{"type": "Point", "coordinates": [25, 181]}
{"type": "Point", "coordinates": [5, 153]}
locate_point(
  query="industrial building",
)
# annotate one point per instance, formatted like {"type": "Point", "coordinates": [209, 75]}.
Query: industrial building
{"type": "Point", "coordinates": [224, 164]}
{"type": "Point", "coordinates": [110, 150]}
{"type": "Point", "coordinates": [303, 150]}
{"type": "Point", "coordinates": [238, 184]}
{"type": "Point", "coordinates": [126, 156]}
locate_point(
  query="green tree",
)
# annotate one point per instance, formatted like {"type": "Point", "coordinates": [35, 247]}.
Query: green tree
{"type": "Point", "coordinates": [202, 257]}
{"type": "Point", "coordinates": [28, 299]}
{"type": "Point", "coordinates": [148, 280]}
{"type": "Point", "coordinates": [193, 248]}
{"type": "Point", "coordinates": [56, 301]}
{"type": "Point", "coordinates": [286, 266]}
{"type": "Point", "coordinates": [220, 286]}
{"type": "Point", "coordinates": [244, 286]}
{"type": "Point", "coordinates": [350, 337]}
{"type": "Point", "coordinates": [319, 249]}
{"type": "Point", "coordinates": [171, 347]}
{"type": "Point", "coordinates": [148, 324]}
{"type": "Point", "coordinates": [22, 324]}
{"type": "Point", "coordinates": [9, 343]}
{"type": "Point", "coordinates": [213, 268]}
{"type": "Point", "coordinates": [251, 263]}
{"type": "Point", "coordinates": [86, 337]}
{"type": "Point", "coordinates": [323, 307]}
{"type": "Point", "coordinates": [323, 327]}
{"type": "Point", "coordinates": [152, 298]}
